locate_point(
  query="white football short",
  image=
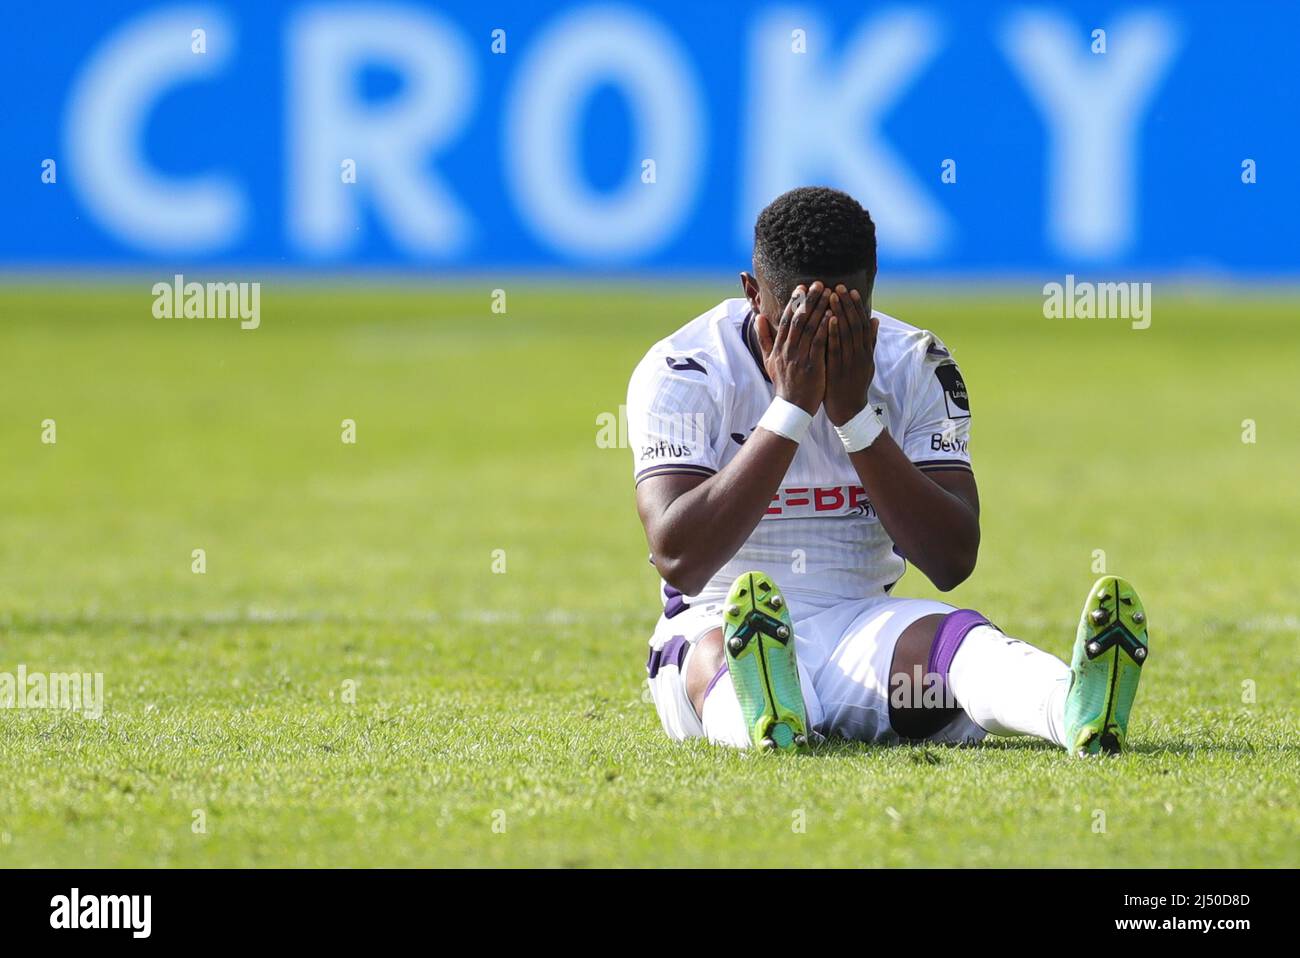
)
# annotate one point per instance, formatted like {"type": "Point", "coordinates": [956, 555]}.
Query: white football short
{"type": "Point", "coordinates": [845, 654]}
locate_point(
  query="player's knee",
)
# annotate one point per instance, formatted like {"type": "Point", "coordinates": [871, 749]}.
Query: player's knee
{"type": "Point", "coordinates": [918, 704]}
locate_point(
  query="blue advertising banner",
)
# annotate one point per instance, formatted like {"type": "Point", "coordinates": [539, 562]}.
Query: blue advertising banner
{"type": "Point", "coordinates": [644, 137]}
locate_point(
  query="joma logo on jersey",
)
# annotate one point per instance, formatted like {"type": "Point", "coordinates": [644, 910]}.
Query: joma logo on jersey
{"type": "Point", "coordinates": [798, 502]}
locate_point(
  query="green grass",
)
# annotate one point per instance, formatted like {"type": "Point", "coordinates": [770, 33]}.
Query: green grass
{"type": "Point", "coordinates": [516, 699]}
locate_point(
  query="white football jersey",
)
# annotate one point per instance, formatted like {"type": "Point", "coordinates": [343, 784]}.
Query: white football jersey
{"type": "Point", "coordinates": [698, 394]}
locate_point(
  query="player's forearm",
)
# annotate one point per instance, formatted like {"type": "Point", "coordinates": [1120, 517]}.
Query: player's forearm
{"type": "Point", "coordinates": [934, 529]}
{"type": "Point", "coordinates": [704, 527]}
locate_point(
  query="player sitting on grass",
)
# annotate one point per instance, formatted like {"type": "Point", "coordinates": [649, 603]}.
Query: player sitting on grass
{"type": "Point", "coordinates": [794, 450]}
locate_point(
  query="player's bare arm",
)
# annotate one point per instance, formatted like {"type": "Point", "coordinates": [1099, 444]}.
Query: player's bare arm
{"type": "Point", "coordinates": [694, 525]}
{"type": "Point", "coordinates": [933, 519]}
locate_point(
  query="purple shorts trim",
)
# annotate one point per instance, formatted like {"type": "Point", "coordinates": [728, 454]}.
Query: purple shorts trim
{"type": "Point", "coordinates": [949, 637]}
{"type": "Point", "coordinates": [674, 603]}
{"type": "Point", "coordinates": [672, 653]}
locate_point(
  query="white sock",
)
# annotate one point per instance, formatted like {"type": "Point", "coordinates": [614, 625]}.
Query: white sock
{"type": "Point", "coordinates": [1008, 687]}
{"type": "Point", "coordinates": [722, 719]}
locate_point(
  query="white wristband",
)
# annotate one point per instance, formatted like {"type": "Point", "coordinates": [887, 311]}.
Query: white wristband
{"type": "Point", "coordinates": [861, 431]}
{"type": "Point", "coordinates": [786, 419]}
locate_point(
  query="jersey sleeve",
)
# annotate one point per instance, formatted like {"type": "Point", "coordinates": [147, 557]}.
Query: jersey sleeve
{"type": "Point", "coordinates": [937, 437]}
{"type": "Point", "coordinates": [674, 416]}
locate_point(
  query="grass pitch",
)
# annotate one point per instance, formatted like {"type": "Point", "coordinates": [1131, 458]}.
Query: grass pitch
{"type": "Point", "coordinates": [499, 717]}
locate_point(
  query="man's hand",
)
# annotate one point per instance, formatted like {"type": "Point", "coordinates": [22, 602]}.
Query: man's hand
{"type": "Point", "coordinates": [933, 519]}
{"type": "Point", "coordinates": [850, 355]}
{"type": "Point", "coordinates": [795, 359]}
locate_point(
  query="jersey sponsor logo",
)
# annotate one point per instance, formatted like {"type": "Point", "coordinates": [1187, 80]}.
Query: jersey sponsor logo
{"type": "Point", "coordinates": [942, 442]}
{"type": "Point", "coordinates": [801, 502]}
{"type": "Point", "coordinates": [954, 390]}
{"type": "Point", "coordinates": [663, 449]}
{"type": "Point", "coordinates": [684, 363]}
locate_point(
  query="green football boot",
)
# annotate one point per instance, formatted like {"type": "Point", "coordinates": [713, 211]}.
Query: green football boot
{"type": "Point", "coordinates": [758, 637]}
{"type": "Point", "coordinates": [1109, 652]}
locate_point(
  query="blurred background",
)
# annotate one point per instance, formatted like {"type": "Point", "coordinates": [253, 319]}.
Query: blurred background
{"type": "Point", "coordinates": [447, 138]}
{"type": "Point", "coordinates": [466, 222]}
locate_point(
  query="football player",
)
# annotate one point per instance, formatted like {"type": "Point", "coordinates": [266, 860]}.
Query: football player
{"type": "Point", "coordinates": [794, 450]}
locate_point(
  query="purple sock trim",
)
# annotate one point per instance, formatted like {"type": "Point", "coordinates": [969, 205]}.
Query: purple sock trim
{"type": "Point", "coordinates": [949, 637]}
{"type": "Point", "coordinates": [714, 681]}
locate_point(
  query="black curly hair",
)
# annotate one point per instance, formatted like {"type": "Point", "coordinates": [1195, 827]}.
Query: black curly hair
{"type": "Point", "coordinates": [811, 233]}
